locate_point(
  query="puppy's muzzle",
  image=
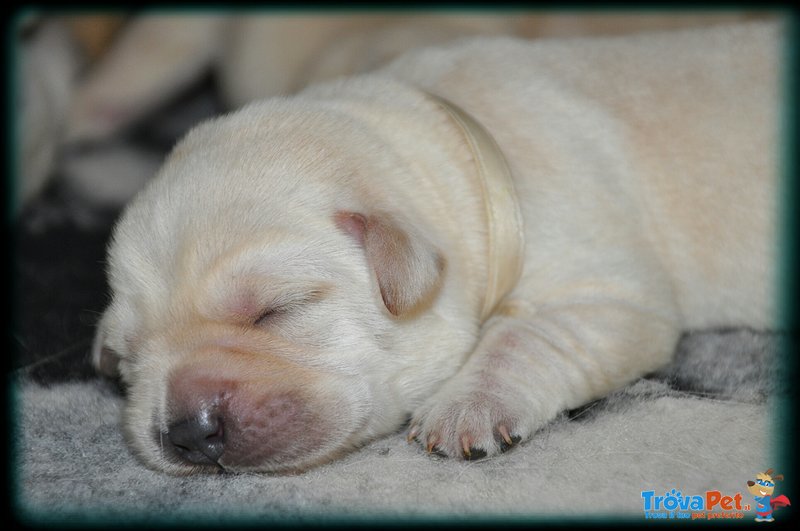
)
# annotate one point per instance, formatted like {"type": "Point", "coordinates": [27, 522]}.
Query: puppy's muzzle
{"type": "Point", "coordinates": [240, 416]}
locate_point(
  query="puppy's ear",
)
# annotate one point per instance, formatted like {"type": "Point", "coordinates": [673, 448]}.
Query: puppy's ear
{"type": "Point", "coordinates": [104, 360]}
{"type": "Point", "coordinates": [409, 268]}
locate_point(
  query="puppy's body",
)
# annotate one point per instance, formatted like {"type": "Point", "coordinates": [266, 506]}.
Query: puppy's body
{"type": "Point", "coordinates": [259, 55]}
{"type": "Point", "coordinates": [305, 273]}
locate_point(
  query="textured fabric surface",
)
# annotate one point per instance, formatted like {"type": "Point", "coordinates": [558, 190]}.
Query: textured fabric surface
{"type": "Point", "coordinates": [71, 462]}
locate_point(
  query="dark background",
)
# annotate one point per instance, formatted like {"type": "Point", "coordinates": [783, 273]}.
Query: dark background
{"type": "Point", "coordinates": [58, 243]}
{"type": "Point", "coordinates": [59, 290]}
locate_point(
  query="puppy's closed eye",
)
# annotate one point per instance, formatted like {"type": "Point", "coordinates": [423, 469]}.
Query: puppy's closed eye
{"type": "Point", "coordinates": [268, 315]}
{"type": "Point", "coordinates": [287, 303]}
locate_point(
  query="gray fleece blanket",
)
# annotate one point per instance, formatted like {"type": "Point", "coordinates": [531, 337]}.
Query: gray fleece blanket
{"type": "Point", "coordinates": [707, 423]}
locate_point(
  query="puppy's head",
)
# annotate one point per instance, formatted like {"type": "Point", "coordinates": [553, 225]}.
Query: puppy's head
{"type": "Point", "coordinates": [272, 305]}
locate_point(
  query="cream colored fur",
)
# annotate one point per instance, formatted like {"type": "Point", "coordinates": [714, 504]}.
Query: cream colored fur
{"type": "Point", "coordinates": [262, 55]}
{"type": "Point", "coordinates": [646, 170]}
{"type": "Point", "coordinates": [258, 55]}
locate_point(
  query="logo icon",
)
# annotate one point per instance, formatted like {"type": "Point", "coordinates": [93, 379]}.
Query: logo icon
{"type": "Point", "coordinates": [762, 489]}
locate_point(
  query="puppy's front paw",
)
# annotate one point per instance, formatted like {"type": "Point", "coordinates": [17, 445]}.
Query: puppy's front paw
{"type": "Point", "coordinates": [472, 424]}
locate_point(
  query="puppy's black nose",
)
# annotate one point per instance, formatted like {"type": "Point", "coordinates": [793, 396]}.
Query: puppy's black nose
{"type": "Point", "coordinates": [200, 440]}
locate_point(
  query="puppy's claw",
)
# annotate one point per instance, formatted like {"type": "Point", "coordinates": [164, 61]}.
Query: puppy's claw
{"type": "Point", "coordinates": [412, 434]}
{"type": "Point", "coordinates": [470, 453]}
{"type": "Point", "coordinates": [432, 441]}
{"type": "Point", "coordinates": [508, 440]}
{"type": "Point", "coordinates": [504, 434]}
{"type": "Point", "coordinates": [465, 446]}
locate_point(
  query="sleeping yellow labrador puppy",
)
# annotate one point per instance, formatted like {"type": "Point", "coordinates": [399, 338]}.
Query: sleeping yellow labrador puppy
{"type": "Point", "coordinates": [477, 236]}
